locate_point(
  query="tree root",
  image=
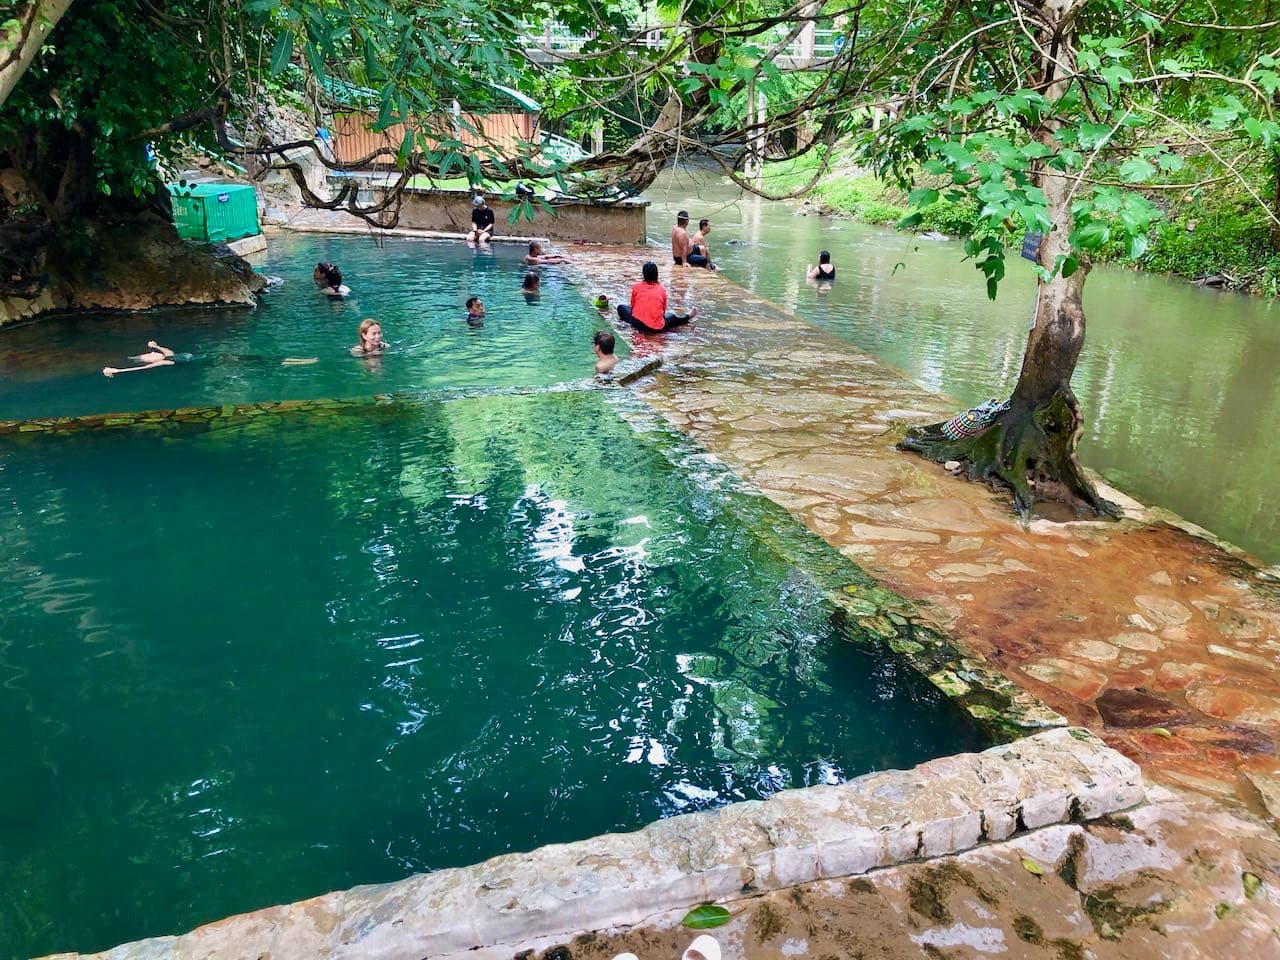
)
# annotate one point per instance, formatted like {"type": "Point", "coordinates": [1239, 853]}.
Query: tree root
{"type": "Point", "coordinates": [1029, 450]}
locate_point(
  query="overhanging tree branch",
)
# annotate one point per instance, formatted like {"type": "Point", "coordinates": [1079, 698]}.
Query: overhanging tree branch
{"type": "Point", "coordinates": [19, 47]}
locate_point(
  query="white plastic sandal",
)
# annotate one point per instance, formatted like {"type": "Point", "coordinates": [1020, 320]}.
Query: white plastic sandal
{"type": "Point", "coordinates": [705, 947]}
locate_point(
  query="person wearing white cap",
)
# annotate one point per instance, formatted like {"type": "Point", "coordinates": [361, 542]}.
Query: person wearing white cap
{"type": "Point", "coordinates": [481, 220]}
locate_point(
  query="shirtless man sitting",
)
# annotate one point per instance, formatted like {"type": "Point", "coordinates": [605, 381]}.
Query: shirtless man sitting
{"type": "Point", "coordinates": [680, 238]}
{"type": "Point", "coordinates": [699, 252]}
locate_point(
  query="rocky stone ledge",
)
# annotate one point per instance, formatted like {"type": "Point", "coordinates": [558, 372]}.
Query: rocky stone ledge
{"type": "Point", "coordinates": [135, 265]}
{"type": "Point", "coordinates": [938, 808]}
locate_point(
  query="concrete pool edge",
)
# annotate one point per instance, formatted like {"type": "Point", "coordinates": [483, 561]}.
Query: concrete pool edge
{"type": "Point", "coordinates": [941, 807]}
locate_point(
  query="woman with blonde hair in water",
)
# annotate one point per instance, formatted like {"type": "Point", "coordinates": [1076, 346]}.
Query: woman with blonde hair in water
{"type": "Point", "coordinates": [371, 343]}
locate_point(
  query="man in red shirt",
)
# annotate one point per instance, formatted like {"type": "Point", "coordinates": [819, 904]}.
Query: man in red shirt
{"type": "Point", "coordinates": [648, 310]}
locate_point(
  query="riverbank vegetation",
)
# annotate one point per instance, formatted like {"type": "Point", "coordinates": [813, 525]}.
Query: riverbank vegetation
{"type": "Point", "coordinates": [1217, 237]}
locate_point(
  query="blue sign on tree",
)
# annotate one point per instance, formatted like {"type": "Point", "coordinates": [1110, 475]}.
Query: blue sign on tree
{"type": "Point", "coordinates": [1031, 246]}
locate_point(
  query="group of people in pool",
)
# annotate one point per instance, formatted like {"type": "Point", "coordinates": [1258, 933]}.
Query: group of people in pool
{"type": "Point", "coordinates": [646, 311]}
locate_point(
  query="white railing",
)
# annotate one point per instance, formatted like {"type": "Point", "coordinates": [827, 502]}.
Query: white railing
{"type": "Point", "coordinates": [811, 45]}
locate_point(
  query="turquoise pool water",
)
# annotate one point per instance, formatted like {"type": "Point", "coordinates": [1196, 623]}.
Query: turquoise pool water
{"type": "Point", "coordinates": [417, 289]}
{"type": "Point", "coordinates": [245, 667]}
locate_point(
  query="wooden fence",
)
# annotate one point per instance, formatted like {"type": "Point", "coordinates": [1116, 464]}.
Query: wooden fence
{"type": "Point", "coordinates": [504, 133]}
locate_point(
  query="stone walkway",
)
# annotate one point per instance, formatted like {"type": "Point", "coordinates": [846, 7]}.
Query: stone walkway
{"type": "Point", "coordinates": [1164, 643]}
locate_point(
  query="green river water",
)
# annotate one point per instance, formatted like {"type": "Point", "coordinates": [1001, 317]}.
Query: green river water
{"type": "Point", "coordinates": [248, 666]}
{"type": "Point", "coordinates": [1180, 385]}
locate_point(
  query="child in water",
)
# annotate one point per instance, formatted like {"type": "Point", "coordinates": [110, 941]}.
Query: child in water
{"type": "Point", "coordinates": [475, 312]}
{"type": "Point", "coordinates": [603, 344]}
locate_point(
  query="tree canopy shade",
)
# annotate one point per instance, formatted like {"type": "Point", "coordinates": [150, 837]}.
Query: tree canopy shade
{"type": "Point", "coordinates": [1062, 117]}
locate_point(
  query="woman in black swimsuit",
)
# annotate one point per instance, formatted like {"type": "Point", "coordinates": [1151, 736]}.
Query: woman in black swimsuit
{"type": "Point", "coordinates": [824, 270]}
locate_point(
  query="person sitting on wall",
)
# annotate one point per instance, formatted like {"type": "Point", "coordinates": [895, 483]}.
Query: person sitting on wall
{"type": "Point", "coordinates": [531, 287]}
{"type": "Point", "coordinates": [603, 344]}
{"type": "Point", "coordinates": [699, 252]}
{"type": "Point", "coordinates": [475, 312]}
{"type": "Point", "coordinates": [481, 220]}
{"type": "Point", "coordinates": [536, 257]}
{"type": "Point", "coordinates": [371, 343]}
{"type": "Point", "coordinates": [648, 309]}
{"type": "Point", "coordinates": [330, 283]}
{"type": "Point", "coordinates": [824, 270]}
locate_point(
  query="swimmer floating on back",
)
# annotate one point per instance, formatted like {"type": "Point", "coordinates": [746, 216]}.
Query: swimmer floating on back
{"type": "Point", "coordinates": [159, 356]}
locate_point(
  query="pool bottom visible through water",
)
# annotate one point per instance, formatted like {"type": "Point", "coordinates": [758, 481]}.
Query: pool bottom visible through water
{"type": "Point", "coordinates": [416, 289]}
{"type": "Point", "coordinates": [248, 666]}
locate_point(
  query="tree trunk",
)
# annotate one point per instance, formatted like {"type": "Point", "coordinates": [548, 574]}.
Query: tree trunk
{"type": "Point", "coordinates": [1031, 447]}
{"type": "Point", "coordinates": [17, 49]}
{"type": "Point", "coordinates": [1275, 202]}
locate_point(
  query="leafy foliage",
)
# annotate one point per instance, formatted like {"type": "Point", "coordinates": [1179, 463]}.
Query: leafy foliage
{"type": "Point", "coordinates": [706, 917]}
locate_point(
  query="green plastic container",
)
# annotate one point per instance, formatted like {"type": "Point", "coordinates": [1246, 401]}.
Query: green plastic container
{"type": "Point", "coordinates": [215, 212]}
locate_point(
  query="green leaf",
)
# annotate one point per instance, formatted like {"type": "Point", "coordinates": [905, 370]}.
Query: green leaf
{"type": "Point", "coordinates": [1092, 235]}
{"type": "Point", "coordinates": [1161, 731]}
{"type": "Point", "coordinates": [1252, 884]}
{"type": "Point", "coordinates": [1268, 80]}
{"type": "Point", "coordinates": [910, 220]}
{"type": "Point", "coordinates": [961, 158]}
{"type": "Point", "coordinates": [706, 916]}
{"type": "Point", "coordinates": [1116, 75]}
{"type": "Point", "coordinates": [1221, 910]}
{"type": "Point", "coordinates": [922, 197]}
{"type": "Point", "coordinates": [1224, 116]}
{"type": "Point", "coordinates": [1032, 867]}
{"type": "Point", "coordinates": [1091, 135]}
{"type": "Point", "coordinates": [1136, 170]}
{"type": "Point", "coordinates": [1262, 130]}
{"type": "Point", "coordinates": [282, 52]}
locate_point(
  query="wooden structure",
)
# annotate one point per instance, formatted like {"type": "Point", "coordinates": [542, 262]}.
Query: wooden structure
{"type": "Point", "coordinates": [505, 129]}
